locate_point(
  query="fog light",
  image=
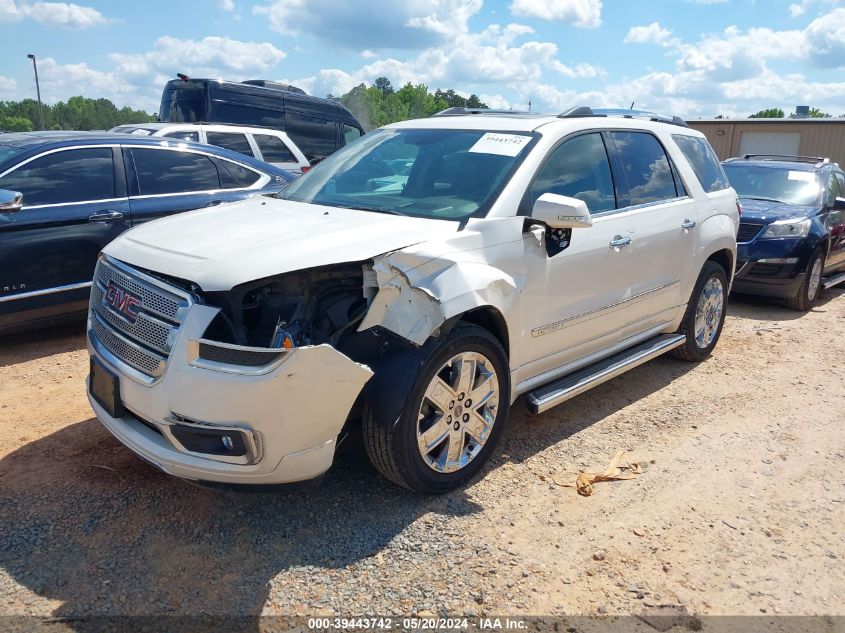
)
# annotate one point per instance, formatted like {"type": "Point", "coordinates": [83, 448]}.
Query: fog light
{"type": "Point", "coordinates": [210, 441]}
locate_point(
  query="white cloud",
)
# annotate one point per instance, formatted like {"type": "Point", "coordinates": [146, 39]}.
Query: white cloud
{"type": "Point", "coordinates": [582, 13]}
{"type": "Point", "coordinates": [650, 34]}
{"type": "Point", "coordinates": [56, 13]}
{"type": "Point", "coordinates": [226, 5]}
{"type": "Point", "coordinates": [825, 40]}
{"type": "Point", "coordinates": [800, 8]}
{"type": "Point", "coordinates": [8, 86]}
{"type": "Point", "coordinates": [384, 24]}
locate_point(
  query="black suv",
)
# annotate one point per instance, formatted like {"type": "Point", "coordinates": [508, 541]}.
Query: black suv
{"type": "Point", "coordinates": [790, 243]}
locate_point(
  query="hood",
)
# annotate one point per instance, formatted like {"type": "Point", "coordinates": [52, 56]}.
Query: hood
{"type": "Point", "coordinates": [221, 247]}
{"type": "Point", "coordinates": [765, 211]}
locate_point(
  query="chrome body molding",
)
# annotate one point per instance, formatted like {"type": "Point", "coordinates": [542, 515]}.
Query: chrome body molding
{"type": "Point", "coordinates": [46, 291]}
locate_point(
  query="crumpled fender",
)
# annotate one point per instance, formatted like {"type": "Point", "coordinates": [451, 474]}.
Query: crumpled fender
{"type": "Point", "coordinates": [414, 300]}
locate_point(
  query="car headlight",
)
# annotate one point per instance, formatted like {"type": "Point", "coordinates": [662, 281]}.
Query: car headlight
{"type": "Point", "coordinates": [787, 228]}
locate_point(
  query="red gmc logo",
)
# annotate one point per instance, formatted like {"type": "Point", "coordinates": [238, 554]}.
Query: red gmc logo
{"type": "Point", "coordinates": [121, 301]}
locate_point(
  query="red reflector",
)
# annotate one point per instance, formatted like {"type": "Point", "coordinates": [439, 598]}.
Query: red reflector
{"type": "Point", "coordinates": [305, 169]}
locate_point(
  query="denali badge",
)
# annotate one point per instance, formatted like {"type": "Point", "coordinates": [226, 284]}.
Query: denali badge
{"type": "Point", "coordinates": [121, 301]}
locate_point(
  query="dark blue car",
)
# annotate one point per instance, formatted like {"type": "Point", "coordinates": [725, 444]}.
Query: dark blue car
{"type": "Point", "coordinates": [81, 190]}
{"type": "Point", "coordinates": [791, 241]}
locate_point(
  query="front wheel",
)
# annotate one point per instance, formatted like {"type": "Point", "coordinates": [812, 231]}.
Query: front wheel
{"type": "Point", "coordinates": [705, 315]}
{"type": "Point", "coordinates": [811, 286]}
{"type": "Point", "coordinates": [452, 419]}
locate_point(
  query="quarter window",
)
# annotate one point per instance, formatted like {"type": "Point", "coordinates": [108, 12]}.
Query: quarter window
{"type": "Point", "coordinates": [833, 191]}
{"type": "Point", "coordinates": [703, 162]}
{"type": "Point", "coordinates": [162, 171]}
{"type": "Point", "coordinates": [579, 169]}
{"type": "Point", "coordinates": [235, 142]}
{"type": "Point", "coordinates": [76, 175]}
{"type": "Point", "coordinates": [273, 149]}
{"type": "Point", "coordinates": [645, 167]}
{"type": "Point", "coordinates": [350, 134]}
{"type": "Point", "coordinates": [234, 176]}
{"type": "Point", "coordinates": [184, 136]}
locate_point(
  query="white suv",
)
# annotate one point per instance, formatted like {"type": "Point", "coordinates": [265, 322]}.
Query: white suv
{"type": "Point", "coordinates": [271, 146]}
{"type": "Point", "coordinates": [411, 287]}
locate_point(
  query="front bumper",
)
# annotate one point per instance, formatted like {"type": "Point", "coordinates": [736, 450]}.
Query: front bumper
{"type": "Point", "coordinates": [292, 411]}
{"type": "Point", "coordinates": [771, 268]}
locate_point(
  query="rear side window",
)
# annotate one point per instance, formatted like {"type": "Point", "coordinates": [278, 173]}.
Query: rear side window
{"type": "Point", "coordinates": [273, 149]}
{"type": "Point", "coordinates": [833, 190]}
{"type": "Point", "coordinates": [578, 168]}
{"type": "Point", "coordinates": [316, 137]}
{"type": "Point", "coordinates": [76, 175]}
{"type": "Point", "coordinates": [703, 161]}
{"type": "Point", "coordinates": [646, 169]}
{"type": "Point", "coordinates": [184, 136]}
{"type": "Point", "coordinates": [162, 171]}
{"type": "Point", "coordinates": [235, 142]}
{"type": "Point", "coordinates": [234, 176]}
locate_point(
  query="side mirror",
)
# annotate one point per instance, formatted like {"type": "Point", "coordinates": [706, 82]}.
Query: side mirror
{"type": "Point", "coordinates": [839, 204]}
{"type": "Point", "coordinates": [562, 212]}
{"type": "Point", "coordinates": [10, 201]}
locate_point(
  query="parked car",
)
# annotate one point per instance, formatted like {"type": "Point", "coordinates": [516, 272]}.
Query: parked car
{"type": "Point", "coordinates": [317, 126]}
{"type": "Point", "coordinates": [80, 191]}
{"type": "Point", "coordinates": [792, 235]}
{"type": "Point", "coordinates": [418, 281]}
{"type": "Point", "coordinates": [264, 144]}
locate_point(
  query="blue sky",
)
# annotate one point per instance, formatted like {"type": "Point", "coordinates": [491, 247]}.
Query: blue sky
{"type": "Point", "coordinates": [695, 58]}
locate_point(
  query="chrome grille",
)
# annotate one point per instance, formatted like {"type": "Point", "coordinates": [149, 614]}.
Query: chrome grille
{"type": "Point", "coordinates": [145, 343]}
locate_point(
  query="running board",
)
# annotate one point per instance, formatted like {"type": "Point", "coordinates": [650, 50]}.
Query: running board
{"type": "Point", "coordinates": [550, 395]}
{"type": "Point", "coordinates": [832, 281]}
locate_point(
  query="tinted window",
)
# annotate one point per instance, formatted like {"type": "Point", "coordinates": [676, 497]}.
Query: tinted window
{"type": "Point", "coordinates": [235, 142]}
{"type": "Point", "coordinates": [273, 149]}
{"type": "Point", "coordinates": [579, 169]}
{"type": "Point", "coordinates": [833, 191]}
{"type": "Point", "coordinates": [774, 182]}
{"type": "Point", "coordinates": [234, 176]}
{"type": "Point", "coordinates": [240, 114]}
{"type": "Point", "coordinates": [314, 136]}
{"type": "Point", "coordinates": [74, 175]}
{"type": "Point", "coordinates": [350, 133]}
{"type": "Point", "coordinates": [703, 162]}
{"type": "Point", "coordinates": [645, 167]}
{"type": "Point", "coordinates": [167, 171]}
{"type": "Point", "coordinates": [185, 136]}
{"type": "Point", "coordinates": [841, 178]}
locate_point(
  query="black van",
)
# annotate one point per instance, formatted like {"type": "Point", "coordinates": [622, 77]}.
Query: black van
{"type": "Point", "coordinates": [318, 126]}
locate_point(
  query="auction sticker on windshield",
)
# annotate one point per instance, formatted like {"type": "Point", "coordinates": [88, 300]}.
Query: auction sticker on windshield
{"type": "Point", "coordinates": [502, 144]}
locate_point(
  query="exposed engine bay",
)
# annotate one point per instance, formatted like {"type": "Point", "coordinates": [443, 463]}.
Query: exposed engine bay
{"type": "Point", "coordinates": [307, 307]}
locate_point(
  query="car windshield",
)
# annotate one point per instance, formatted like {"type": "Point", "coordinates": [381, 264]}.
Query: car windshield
{"type": "Point", "coordinates": [430, 173]}
{"type": "Point", "coordinates": [775, 183]}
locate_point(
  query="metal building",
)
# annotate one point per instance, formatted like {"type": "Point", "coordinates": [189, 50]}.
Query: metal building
{"type": "Point", "coordinates": [802, 137]}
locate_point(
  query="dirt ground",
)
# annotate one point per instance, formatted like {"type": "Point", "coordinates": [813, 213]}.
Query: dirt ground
{"type": "Point", "coordinates": [740, 510]}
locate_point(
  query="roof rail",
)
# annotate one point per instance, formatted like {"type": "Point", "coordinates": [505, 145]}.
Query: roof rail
{"type": "Point", "coordinates": [584, 111]}
{"type": "Point", "coordinates": [796, 159]}
{"type": "Point", "coordinates": [460, 111]}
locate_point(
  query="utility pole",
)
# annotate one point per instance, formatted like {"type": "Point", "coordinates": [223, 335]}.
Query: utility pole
{"type": "Point", "coordinates": [37, 90]}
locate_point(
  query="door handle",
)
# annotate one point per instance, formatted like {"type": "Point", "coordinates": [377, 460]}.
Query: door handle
{"type": "Point", "coordinates": [109, 215]}
{"type": "Point", "coordinates": [688, 224]}
{"type": "Point", "coordinates": [619, 241]}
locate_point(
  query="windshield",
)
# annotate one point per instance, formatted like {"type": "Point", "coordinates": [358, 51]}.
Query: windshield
{"type": "Point", "coordinates": [778, 184]}
{"type": "Point", "coordinates": [443, 174]}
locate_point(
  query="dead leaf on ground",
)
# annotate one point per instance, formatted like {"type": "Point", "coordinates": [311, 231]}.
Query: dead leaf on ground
{"type": "Point", "coordinates": [618, 469]}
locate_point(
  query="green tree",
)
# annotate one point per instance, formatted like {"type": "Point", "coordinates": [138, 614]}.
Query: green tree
{"type": "Point", "coordinates": [815, 113]}
{"type": "Point", "coordinates": [384, 85]}
{"type": "Point", "coordinates": [78, 113]}
{"type": "Point", "coordinates": [769, 113]}
{"type": "Point", "coordinates": [15, 124]}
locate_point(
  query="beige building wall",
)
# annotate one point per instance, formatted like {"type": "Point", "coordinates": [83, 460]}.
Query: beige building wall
{"type": "Point", "coordinates": [818, 137]}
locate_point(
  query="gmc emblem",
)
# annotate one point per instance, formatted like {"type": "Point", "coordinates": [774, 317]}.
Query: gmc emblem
{"type": "Point", "coordinates": [121, 301]}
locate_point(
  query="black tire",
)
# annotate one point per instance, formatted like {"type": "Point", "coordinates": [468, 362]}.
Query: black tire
{"type": "Point", "coordinates": [802, 300]}
{"type": "Point", "coordinates": [691, 350]}
{"type": "Point", "coordinates": [393, 450]}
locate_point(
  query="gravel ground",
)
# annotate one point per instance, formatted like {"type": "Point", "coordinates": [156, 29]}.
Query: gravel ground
{"type": "Point", "coordinates": [740, 509]}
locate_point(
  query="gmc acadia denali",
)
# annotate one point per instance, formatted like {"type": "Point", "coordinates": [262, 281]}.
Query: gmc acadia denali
{"type": "Point", "coordinates": [412, 286]}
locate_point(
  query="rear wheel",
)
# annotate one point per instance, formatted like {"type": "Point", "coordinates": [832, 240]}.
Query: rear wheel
{"type": "Point", "coordinates": [811, 288]}
{"type": "Point", "coordinates": [705, 315]}
{"type": "Point", "coordinates": [453, 417]}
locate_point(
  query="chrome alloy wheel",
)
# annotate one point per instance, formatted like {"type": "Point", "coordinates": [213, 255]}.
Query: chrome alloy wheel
{"type": "Point", "coordinates": [815, 279]}
{"type": "Point", "coordinates": [708, 312]}
{"type": "Point", "coordinates": [458, 412]}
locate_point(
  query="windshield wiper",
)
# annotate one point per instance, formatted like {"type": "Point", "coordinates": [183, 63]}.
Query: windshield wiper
{"type": "Point", "coordinates": [766, 199]}
{"type": "Point", "coordinates": [359, 207]}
